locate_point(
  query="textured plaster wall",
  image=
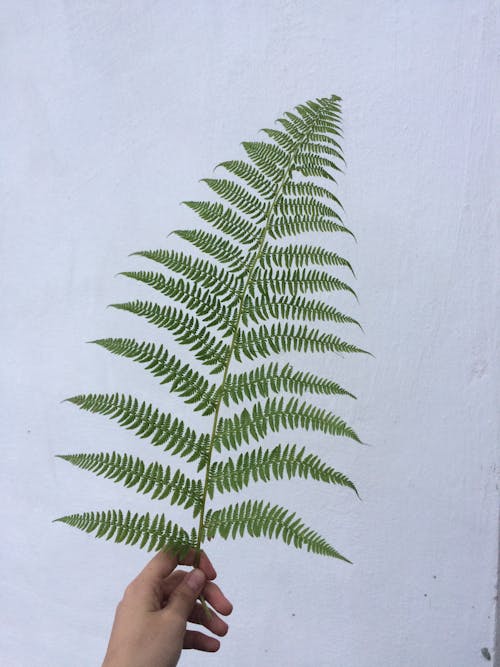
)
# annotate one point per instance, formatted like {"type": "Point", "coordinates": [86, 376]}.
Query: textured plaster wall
{"type": "Point", "coordinates": [110, 113]}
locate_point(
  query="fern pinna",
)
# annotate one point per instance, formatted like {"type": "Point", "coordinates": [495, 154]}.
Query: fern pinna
{"type": "Point", "coordinates": [245, 298]}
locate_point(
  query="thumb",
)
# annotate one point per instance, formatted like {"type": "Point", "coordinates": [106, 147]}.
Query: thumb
{"type": "Point", "coordinates": [183, 597]}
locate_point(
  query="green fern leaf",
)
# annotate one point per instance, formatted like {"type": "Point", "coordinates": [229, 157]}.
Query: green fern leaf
{"type": "Point", "coordinates": [300, 280]}
{"type": "Point", "coordinates": [186, 329]}
{"type": "Point", "coordinates": [225, 298]}
{"type": "Point", "coordinates": [285, 226]}
{"type": "Point", "coordinates": [263, 341]}
{"type": "Point", "coordinates": [238, 196]}
{"type": "Point", "coordinates": [209, 308]}
{"type": "Point", "coordinates": [308, 188]}
{"type": "Point", "coordinates": [154, 479]}
{"type": "Point", "coordinates": [268, 379]}
{"type": "Point", "coordinates": [226, 220]}
{"type": "Point", "coordinates": [275, 415]}
{"type": "Point", "coordinates": [203, 272]}
{"type": "Point", "coordinates": [283, 139]}
{"type": "Point", "coordinates": [307, 206]}
{"type": "Point", "coordinates": [293, 308]}
{"type": "Point", "coordinates": [183, 379]}
{"type": "Point", "coordinates": [253, 177]}
{"type": "Point", "coordinates": [264, 465]}
{"type": "Point", "coordinates": [257, 519]}
{"type": "Point", "coordinates": [320, 149]}
{"type": "Point", "coordinates": [163, 429]}
{"type": "Point", "coordinates": [214, 245]}
{"type": "Point", "coordinates": [226, 290]}
{"type": "Point", "coordinates": [300, 255]}
{"type": "Point", "coordinates": [156, 533]}
{"type": "Point", "coordinates": [268, 158]}
{"type": "Point", "coordinates": [312, 161]}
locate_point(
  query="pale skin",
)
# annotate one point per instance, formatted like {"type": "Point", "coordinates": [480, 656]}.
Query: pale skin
{"type": "Point", "coordinates": [150, 626]}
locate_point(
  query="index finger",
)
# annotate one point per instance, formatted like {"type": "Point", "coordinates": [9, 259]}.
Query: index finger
{"type": "Point", "coordinates": [205, 563]}
{"type": "Point", "coordinates": [164, 562]}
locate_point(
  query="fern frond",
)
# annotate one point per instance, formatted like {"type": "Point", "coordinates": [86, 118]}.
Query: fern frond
{"type": "Point", "coordinates": [216, 246]}
{"type": "Point", "coordinates": [303, 188]}
{"type": "Point", "coordinates": [267, 379]}
{"type": "Point", "coordinates": [296, 308]}
{"type": "Point", "coordinates": [240, 281]}
{"type": "Point", "coordinates": [330, 114]}
{"type": "Point", "coordinates": [226, 290]}
{"type": "Point", "coordinates": [306, 206]}
{"type": "Point", "coordinates": [225, 284]}
{"type": "Point", "coordinates": [148, 422]}
{"type": "Point", "coordinates": [208, 307]}
{"type": "Point", "coordinates": [154, 479]}
{"type": "Point", "coordinates": [156, 533]}
{"type": "Point", "coordinates": [237, 196]}
{"type": "Point", "coordinates": [283, 139]}
{"type": "Point", "coordinates": [256, 519]}
{"type": "Point", "coordinates": [269, 281]}
{"type": "Point", "coordinates": [266, 464]}
{"type": "Point", "coordinates": [323, 138]}
{"type": "Point", "coordinates": [269, 158]}
{"type": "Point", "coordinates": [308, 122]}
{"type": "Point", "coordinates": [298, 224]}
{"type": "Point", "coordinates": [321, 149]}
{"type": "Point", "coordinates": [252, 176]}
{"type": "Point", "coordinates": [263, 341]}
{"type": "Point", "coordinates": [301, 255]}
{"type": "Point", "coordinates": [186, 329]}
{"type": "Point", "coordinates": [183, 380]}
{"type": "Point", "coordinates": [325, 117]}
{"type": "Point", "coordinates": [273, 415]}
{"type": "Point", "coordinates": [309, 160]}
{"type": "Point", "coordinates": [226, 220]}
{"type": "Point", "coordinates": [317, 172]}
{"type": "Point", "coordinates": [294, 126]}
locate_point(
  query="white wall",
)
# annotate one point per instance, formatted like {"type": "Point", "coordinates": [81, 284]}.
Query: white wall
{"type": "Point", "coordinates": [110, 113]}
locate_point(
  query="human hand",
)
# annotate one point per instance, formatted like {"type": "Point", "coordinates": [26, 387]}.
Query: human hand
{"type": "Point", "coordinates": [149, 629]}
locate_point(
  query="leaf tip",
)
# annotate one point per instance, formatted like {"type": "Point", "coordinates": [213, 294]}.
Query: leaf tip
{"type": "Point", "coordinates": [60, 518]}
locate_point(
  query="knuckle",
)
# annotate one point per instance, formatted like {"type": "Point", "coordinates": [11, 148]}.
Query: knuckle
{"type": "Point", "coordinates": [130, 590]}
{"type": "Point", "coordinates": [184, 596]}
{"type": "Point", "coordinates": [120, 608]}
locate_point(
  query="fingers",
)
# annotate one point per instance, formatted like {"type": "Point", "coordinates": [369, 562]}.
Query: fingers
{"type": "Point", "coordinates": [161, 565]}
{"type": "Point", "coordinates": [164, 562]}
{"type": "Point", "coordinates": [213, 622]}
{"type": "Point", "coordinates": [183, 597]}
{"type": "Point", "coordinates": [213, 596]}
{"type": "Point", "coordinates": [205, 563]}
{"type": "Point", "coordinates": [217, 599]}
{"type": "Point", "coordinates": [170, 583]}
{"type": "Point", "coordinates": [201, 642]}
{"type": "Point", "coordinates": [211, 592]}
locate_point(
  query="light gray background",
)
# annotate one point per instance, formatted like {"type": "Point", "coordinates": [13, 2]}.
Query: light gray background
{"type": "Point", "coordinates": [110, 113]}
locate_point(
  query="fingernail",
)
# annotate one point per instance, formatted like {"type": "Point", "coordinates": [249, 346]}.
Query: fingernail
{"type": "Point", "coordinates": [195, 579]}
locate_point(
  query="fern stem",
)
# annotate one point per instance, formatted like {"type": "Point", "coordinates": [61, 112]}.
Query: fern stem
{"type": "Point", "coordinates": [228, 362]}
{"type": "Point", "coordinates": [258, 253]}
